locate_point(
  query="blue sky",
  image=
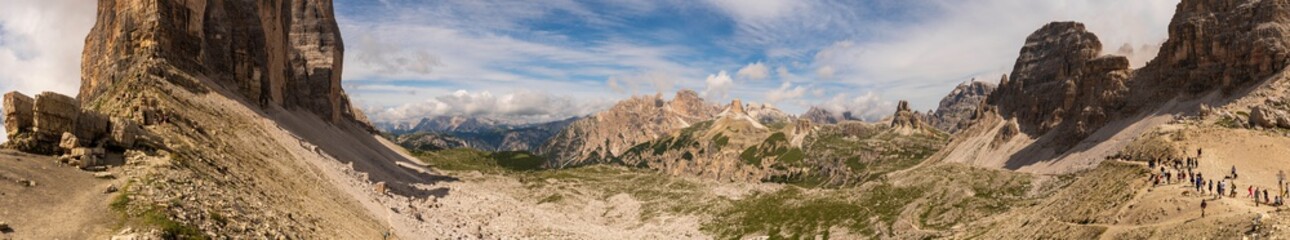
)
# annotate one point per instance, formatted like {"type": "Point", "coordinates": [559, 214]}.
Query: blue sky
{"type": "Point", "coordinates": [543, 60]}
{"type": "Point", "coordinates": [408, 59]}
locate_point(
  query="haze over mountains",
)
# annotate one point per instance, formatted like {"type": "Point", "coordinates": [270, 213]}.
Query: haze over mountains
{"type": "Point", "coordinates": [228, 119]}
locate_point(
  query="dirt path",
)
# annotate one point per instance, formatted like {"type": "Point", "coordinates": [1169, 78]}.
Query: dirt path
{"type": "Point", "coordinates": [65, 203]}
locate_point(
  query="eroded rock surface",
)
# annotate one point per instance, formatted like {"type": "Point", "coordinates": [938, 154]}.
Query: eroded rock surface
{"type": "Point", "coordinates": [285, 53]}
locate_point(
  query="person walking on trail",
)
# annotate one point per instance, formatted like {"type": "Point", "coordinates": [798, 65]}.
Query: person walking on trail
{"type": "Point", "coordinates": [1265, 196]}
{"type": "Point", "coordinates": [1203, 204]}
{"type": "Point", "coordinates": [1219, 193]}
{"type": "Point", "coordinates": [1249, 191]}
{"type": "Point", "coordinates": [1233, 171]}
{"type": "Point", "coordinates": [1256, 197]}
{"type": "Point", "coordinates": [1209, 186]}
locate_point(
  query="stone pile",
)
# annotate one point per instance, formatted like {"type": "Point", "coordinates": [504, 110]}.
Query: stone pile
{"type": "Point", "coordinates": [53, 123]}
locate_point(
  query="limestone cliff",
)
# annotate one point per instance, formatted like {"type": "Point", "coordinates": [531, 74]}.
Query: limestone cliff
{"type": "Point", "coordinates": [1062, 82]}
{"type": "Point", "coordinates": [278, 52]}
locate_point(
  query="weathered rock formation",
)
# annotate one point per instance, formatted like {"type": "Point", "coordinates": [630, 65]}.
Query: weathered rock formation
{"type": "Point", "coordinates": [957, 108]}
{"type": "Point", "coordinates": [53, 123]}
{"type": "Point", "coordinates": [608, 134]}
{"type": "Point", "coordinates": [1218, 44]}
{"type": "Point", "coordinates": [1062, 83]}
{"type": "Point", "coordinates": [906, 121]}
{"type": "Point", "coordinates": [285, 53]}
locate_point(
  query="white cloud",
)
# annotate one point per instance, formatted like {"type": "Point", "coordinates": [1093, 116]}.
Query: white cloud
{"type": "Point", "coordinates": [825, 72]}
{"type": "Point", "coordinates": [923, 59]}
{"type": "Point", "coordinates": [656, 81]}
{"type": "Point", "coordinates": [765, 10]}
{"type": "Point", "coordinates": [786, 92]}
{"type": "Point", "coordinates": [4, 136]}
{"type": "Point", "coordinates": [520, 106]}
{"type": "Point", "coordinates": [867, 107]}
{"type": "Point", "coordinates": [40, 45]}
{"type": "Point", "coordinates": [718, 85]}
{"type": "Point", "coordinates": [754, 71]}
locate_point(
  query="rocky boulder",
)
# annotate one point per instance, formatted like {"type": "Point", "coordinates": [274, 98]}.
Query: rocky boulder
{"type": "Point", "coordinates": [18, 113]}
{"type": "Point", "coordinates": [1265, 117]}
{"type": "Point", "coordinates": [57, 124]}
{"type": "Point", "coordinates": [55, 114]}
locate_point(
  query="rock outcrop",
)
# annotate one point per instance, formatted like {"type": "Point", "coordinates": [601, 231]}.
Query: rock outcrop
{"type": "Point", "coordinates": [285, 53]}
{"type": "Point", "coordinates": [1062, 83]}
{"type": "Point", "coordinates": [53, 123]}
{"type": "Point", "coordinates": [608, 134]}
{"type": "Point", "coordinates": [957, 108]}
{"type": "Point", "coordinates": [905, 120]}
{"type": "Point", "coordinates": [18, 113]}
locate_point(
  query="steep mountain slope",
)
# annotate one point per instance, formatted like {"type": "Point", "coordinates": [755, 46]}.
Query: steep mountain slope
{"type": "Point", "coordinates": [256, 137]}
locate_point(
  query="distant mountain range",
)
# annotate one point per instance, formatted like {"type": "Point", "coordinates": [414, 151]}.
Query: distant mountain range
{"type": "Point", "coordinates": [447, 132]}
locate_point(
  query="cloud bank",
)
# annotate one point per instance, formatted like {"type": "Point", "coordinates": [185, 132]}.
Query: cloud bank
{"type": "Point", "coordinates": [520, 107]}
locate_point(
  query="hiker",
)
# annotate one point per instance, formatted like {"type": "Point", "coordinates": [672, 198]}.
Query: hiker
{"type": "Point", "coordinates": [1209, 186]}
{"type": "Point", "coordinates": [1233, 190]}
{"type": "Point", "coordinates": [1203, 204]}
{"type": "Point", "coordinates": [1233, 171]}
{"type": "Point", "coordinates": [1256, 198]}
{"type": "Point", "coordinates": [1265, 196]}
{"type": "Point", "coordinates": [1249, 191]}
{"type": "Point", "coordinates": [1219, 193]}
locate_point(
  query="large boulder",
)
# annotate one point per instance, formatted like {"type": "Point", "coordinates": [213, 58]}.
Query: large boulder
{"type": "Point", "coordinates": [55, 114]}
{"type": "Point", "coordinates": [124, 132]}
{"type": "Point", "coordinates": [18, 113]}
{"type": "Point", "coordinates": [90, 127]}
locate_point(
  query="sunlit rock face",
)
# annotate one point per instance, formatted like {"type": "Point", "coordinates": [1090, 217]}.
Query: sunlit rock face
{"type": "Point", "coordinates": [280, 52]}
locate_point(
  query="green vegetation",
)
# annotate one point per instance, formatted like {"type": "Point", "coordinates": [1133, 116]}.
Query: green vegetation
{"type": "Point", "coordinates": [465, 159]}
{"type": "Point", "coordinates": [141, 214]}
{"type": "Point", "coordinates": [796, 213]}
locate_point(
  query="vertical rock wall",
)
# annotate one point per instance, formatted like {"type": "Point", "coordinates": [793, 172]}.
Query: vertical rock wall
{"type": "Point", "coordinates": [280, 52]}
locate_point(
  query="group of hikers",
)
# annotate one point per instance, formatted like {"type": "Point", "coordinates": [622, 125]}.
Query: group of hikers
{"type": "Point", "coordinates": [1186, 170]}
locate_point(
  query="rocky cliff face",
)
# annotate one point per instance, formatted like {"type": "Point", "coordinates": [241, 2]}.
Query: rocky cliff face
{"type": "Point", "coordinates": [279, 52]}
{"type": "Point", "coordinates": [1061, 82]}
{"type": "Point", "coordinates": [1219, 44]}
{"type": "Point", "coordinates": [957, 108]}
{"type": "Point", "coordinates": [245, 99]}
{"type": "Point", "coordinates": [608, 134]}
